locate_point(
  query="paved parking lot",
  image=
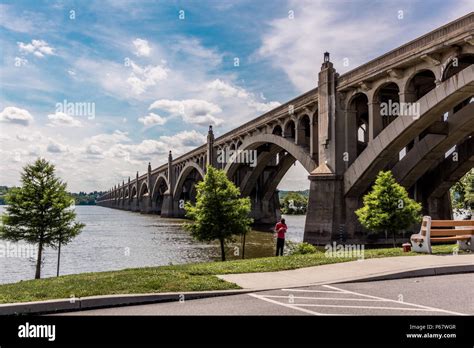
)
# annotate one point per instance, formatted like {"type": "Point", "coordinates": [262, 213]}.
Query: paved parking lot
{"type": "Point", "coordinates": [437, 295]}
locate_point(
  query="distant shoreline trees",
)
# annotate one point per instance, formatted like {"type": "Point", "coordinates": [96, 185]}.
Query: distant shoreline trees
{"type": "Point", "coordinates": [294, 203]}
{"type": "Point", "coordinates": [80, 198]}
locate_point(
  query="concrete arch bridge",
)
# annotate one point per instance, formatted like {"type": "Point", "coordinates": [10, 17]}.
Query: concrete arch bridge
{"type": "Point", "coordinates": [410, 110]}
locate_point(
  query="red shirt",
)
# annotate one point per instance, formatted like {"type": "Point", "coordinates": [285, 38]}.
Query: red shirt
{"type": "Point", "coordinates": [281, 229]}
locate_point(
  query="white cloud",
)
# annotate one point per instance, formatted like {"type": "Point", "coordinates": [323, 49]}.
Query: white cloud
{"type": "Point", "coordinates": [55, 147]}
{"type": "Point", "coordinates": [106, 139]}
{"type": "Point", "coordinates": [228, 90]}
{"type": "Point", "coordinates": [297, 46]}
{"type": "Point", "coordinates": [16, 115]}
{"type": "Point", "coordinates": [142, 48]}
{"type": "Point", "coordinates": [152, 119]}
{"type": "Point", "coordinates": [194, 111]}
{"type": "Point", "coordinates": [39, 48]}
{"type": "Point", "coordinates": [60, 119]}
{"type": "Point", "coordinates": [193, 49]}
{"type": "Point", "coordinates": [143, 77]}
{"type": "Point", "coordinates": [184, 139]}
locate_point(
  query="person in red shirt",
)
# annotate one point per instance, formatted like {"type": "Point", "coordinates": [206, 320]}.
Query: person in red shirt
{"type": "Point", "coordinates": [280, 229]}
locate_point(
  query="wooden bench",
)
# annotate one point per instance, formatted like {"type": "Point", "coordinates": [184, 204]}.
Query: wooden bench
{"type": "Point", "coordinates": [442, 231]}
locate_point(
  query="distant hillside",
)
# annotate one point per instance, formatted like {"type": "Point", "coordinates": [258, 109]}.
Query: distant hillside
{"type": "Point", "coordinates": [81, 198]}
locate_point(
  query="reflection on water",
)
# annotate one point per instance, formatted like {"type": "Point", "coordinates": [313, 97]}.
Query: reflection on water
{"type": "Point", "coordinates": [115, 239]}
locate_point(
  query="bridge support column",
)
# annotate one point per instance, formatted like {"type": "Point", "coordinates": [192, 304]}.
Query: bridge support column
{"type": "Point", "coordinates": [325, 209]}
{"type": "Point", "coordinates": [439, 208]}
{"type": "Point", "coordinates": [266, 212]}
{"type": "Point", "coordinates": [167, 208]}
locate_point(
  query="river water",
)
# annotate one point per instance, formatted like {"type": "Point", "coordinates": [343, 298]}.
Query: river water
{"type": "Point", "coordinates": [116, 239]}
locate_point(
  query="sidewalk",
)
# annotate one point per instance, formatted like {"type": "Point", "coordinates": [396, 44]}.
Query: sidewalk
{"type": "Point", "coordinates": [363, 270]}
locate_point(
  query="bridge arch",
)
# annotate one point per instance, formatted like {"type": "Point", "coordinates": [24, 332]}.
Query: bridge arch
{"type": "Point", "coordinates": [187, 170]}
{"type": "Point", "coordinates": [455, 64]}
{"type": "Point", "coordinates": [275, 156]}
{"type": "Point", "coordinates": [289, 128]}
{"type": "Point", "coordinates": [303, 130]}
{"type": "Point", "coordinates": [143, 189]}
{"type": "Point", "coordinates": [255, 141]}
{"type": "Point", "coordinates": [160, 187]}
{"type": "Point", "coordinates": [418, 84]}
{"type": "Point", "coordinates": [386, 95]}
{"type": "Point", "coordinates": [399, 133]}
{"type": "Point", "coordinates": [357, 124]}
{"type": "Point", "coordinates": [277, 130]}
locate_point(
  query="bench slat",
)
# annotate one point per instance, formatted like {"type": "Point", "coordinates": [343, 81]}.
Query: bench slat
{"type": "Point", "coordinates": [448, 223]}
{"type": "Point", "coordinates": [449, 239]}
{"type": "Point", "coordinates": [451, 232]}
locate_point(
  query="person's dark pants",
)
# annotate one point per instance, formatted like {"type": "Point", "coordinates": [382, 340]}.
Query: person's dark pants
{"type": "Point", "coordinates": [280, 245]}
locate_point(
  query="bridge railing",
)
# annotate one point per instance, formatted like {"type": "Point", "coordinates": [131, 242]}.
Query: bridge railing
{"type": "Point", "coordinates": [404, 51]}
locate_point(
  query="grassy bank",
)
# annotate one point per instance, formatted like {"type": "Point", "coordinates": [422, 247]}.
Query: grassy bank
{"type": "Point", "coordinates": [177, 278]}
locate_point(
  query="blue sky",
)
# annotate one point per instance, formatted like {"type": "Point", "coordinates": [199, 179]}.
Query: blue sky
{"type": "Point", "coordinates": [157, 81]}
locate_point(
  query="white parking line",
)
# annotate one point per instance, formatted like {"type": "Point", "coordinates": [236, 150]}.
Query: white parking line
{"type": "Point", "coordinates": [390, 300]}
{"type": "Point", "coordinates": [323, 291]}
{"type": "Point", "coordinates": [325, 298]}
{"type": "Point", "coordinates": [365, 307]}
{"type": "Point", "coordinates": [335, 290]}
{"type": "Point", "coordinates": [285, 305]}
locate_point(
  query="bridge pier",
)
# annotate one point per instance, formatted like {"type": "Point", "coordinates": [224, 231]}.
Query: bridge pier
{"type": "Point", "coordinates": [145, 205]}
{"type": "Point", "coordinates": [325, 209]}
{"type": "Point", "coordinates": [266, 212]}
{"type": "Point", "coordinates": [167, 206]}
{"type": "Point", "coordinates": [439, 208]}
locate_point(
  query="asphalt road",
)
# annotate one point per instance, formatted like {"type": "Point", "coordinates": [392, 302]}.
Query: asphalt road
{"type": "Point", "coordinates": [438, 295]}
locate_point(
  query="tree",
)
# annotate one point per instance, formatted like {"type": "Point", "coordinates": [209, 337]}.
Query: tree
{"type": "Point", "coordinates": [39, 211]}
{"type": "Point", "coordinates": [462, 192]}
{"type": "Point", "coordinates": [220, 212]}
{"type": "Point", "coordinates": [387, 207]}
{"type": "Point", "coordinates": [294, 203]}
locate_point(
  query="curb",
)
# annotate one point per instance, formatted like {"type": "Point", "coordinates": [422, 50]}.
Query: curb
{"type": "Point", "coordinates": [94, 302]}
{"type": "Point", "coordinates": [422, 272]}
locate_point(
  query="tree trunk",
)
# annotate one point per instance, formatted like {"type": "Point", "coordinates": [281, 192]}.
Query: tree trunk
{"type": "Point", "coordinates": [59, 259]}
{"type": "Point", "coordinates": [222, 249]}
{"type": "Point", "coordinates": [38, 261]}
{"type": "Point", "coordinates": [243, 247]}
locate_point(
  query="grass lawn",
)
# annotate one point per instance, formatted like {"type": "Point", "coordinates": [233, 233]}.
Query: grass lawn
{"type": "Point", "coordinates": [176, 278]}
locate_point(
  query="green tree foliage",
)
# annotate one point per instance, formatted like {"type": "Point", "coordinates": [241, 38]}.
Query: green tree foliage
{"type": "Point", "coordinates": [39, 211]}
{"type": "Point", "coordinates": [294, 203]}
{"type": "Point", "coordinates": [220, 212]}
{"type": "Point", "coordinates": [387, 207]}
{"type": "Point", "coordinates": [3, 192]}
{"type": "Point", "coordinates": [462, 193]}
